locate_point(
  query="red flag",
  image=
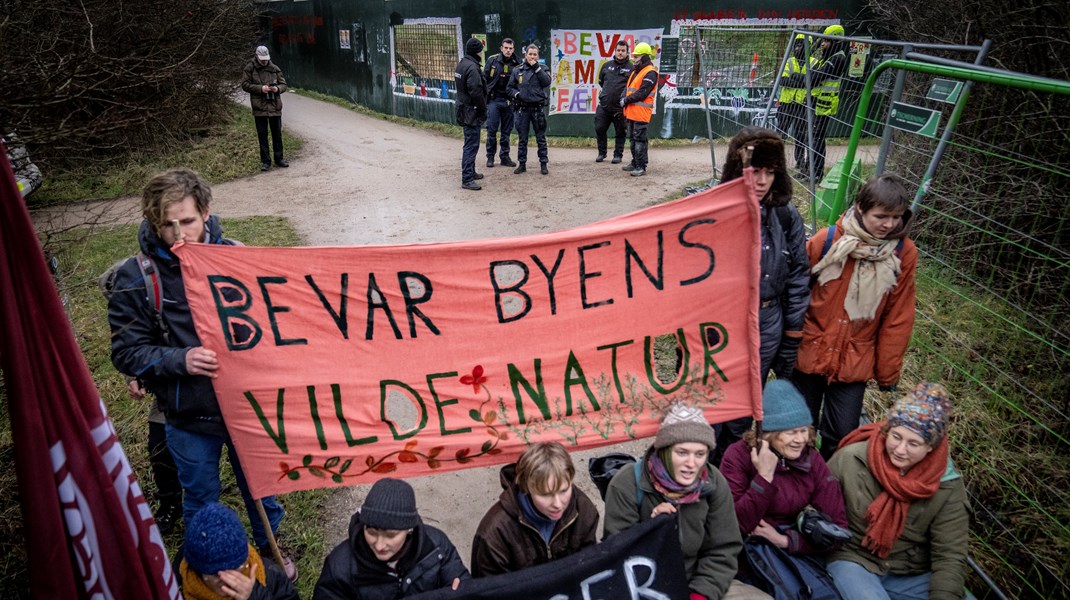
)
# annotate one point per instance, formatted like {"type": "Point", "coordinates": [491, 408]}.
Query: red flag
{"type": "Point", "coordinates": [89, 532]}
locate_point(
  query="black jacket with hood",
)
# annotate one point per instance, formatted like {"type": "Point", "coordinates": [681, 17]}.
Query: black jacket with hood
{"type": "Point", "coordinates": [612, 78]}
{"type": "Point", "coordinates": [351, 572]}
{"type": "Point", "coordinates": [506, 541]}
{"type": "Point", "coordinates": [471, 86]}
{"type": "Point", "coordinates": [138, 347]}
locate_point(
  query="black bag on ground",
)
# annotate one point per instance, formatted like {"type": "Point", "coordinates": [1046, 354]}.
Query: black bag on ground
{"type": "Point", "coordinates": [603, 468]}
{"type": "Point", "coordinates": [787, 577]}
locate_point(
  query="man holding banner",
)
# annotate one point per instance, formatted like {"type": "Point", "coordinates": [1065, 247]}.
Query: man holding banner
{"type": "Point", "coordinates": [163, 350]}
{"type": "Point", "coordinates": [638, 105]}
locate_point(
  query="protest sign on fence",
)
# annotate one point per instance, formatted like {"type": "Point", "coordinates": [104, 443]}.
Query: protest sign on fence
{"type": "Point", "coordinates": [340, 365]}
{"type": "Point", "coordinates": [643, 561]}
{"type": "Point", "coordinates": [576, 57]}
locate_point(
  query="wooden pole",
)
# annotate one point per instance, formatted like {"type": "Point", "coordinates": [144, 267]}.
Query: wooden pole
{"type": "Point", "coordinates": [275, 553]}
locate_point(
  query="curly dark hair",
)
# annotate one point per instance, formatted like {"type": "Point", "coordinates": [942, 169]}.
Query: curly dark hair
{"type": "Point", "coordinates": [768, 153]}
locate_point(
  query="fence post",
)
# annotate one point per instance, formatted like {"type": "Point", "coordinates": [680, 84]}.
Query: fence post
{"type": "Point", "coordinates": [897, 94]}
{"type": "Point", "coordinates": [706, 100]}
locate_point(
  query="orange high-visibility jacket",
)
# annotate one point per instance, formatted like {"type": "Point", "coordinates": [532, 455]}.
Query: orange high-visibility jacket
{"type": "Point", "coordinates": [639, 111]}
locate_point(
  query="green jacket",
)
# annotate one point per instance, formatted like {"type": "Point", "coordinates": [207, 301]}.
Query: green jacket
{"type": "Point", "coordinates": [709, 534]}
{"type": "Point", "coordinates": [936, 536]}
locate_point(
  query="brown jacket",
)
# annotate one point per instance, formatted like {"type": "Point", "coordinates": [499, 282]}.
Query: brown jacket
{"type": "Point", "coordinates": [851, 351]}
{"type": "Point", "coordinates": [257, 76]}
{"type": "Point", "coordinates": [505, 541]}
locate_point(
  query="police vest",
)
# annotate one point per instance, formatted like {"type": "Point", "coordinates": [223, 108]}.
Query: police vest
{"type": "Point", "coordinates": [639, 111]}
{"type": "Point", "coordinates": [827, 97]}
{"type": "Point", "coordinates": [789, 95]}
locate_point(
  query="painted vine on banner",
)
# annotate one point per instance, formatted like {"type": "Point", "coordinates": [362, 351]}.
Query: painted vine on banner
{"type": "Point", "coordinates": [578, 55]}
{"type": "Point", "coordinates": [341, 365]}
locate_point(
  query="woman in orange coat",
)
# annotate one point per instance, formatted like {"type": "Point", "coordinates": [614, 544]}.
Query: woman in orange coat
{"type": "Point", "coordinates": [861, 310]}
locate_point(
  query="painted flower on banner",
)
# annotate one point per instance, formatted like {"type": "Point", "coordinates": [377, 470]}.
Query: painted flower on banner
{"type": "Point", "coordinates": [476, 379]}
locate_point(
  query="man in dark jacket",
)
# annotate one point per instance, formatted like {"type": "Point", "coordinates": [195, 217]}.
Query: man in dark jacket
{"type": "Point", "coordinates": [612, 78]}
{"type": "Point", "coordinates": [471, 109]}
{"type": "Point", "coordinates": [164, 352]}
{"type": "Point", "coordinates": [266, 85]}
{"type": "Point", "coordinates": [497, 73]}
{"type": "Point", "coordinates": [540, 516]}
{"type": "Point", "coordinates": [529, 87]}
{"type": "Point", "coordinates": [390, 552]}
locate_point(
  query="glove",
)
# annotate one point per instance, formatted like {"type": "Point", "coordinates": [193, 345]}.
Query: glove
{"type": "Point", "coordinates": [784, 363]}
{"type": "Point", "coordinates": [887, 388]}
{"type": "Point", "coordinates": [622, 102]}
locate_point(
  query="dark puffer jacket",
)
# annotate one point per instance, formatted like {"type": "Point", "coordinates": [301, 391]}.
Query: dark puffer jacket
{"type": "Point", "coordinates": [351, 572]}
{"type": "Point", "coordinates": [785, 283]}
{"type": "Point", "coordinates": [257, 76]}
{"type": "Point", "coordinates": [506, 541]}
{"type": "Point", "coordinates": [138, 347]}
{"type": "Point", "coordinates": [471, 87]}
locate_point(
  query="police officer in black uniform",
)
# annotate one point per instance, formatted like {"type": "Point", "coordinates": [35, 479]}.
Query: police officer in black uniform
{"type": "Point", "coordinates": [612, 78]}
{"type": "Point", "coordinates": [497, 72]}
{"type": "Point", "coordinates": [529, 87]}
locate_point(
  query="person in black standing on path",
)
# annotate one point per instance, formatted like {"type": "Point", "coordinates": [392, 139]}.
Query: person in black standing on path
{"type": "Point", "coordinates": [471, 109]}
{"type": "Point", "coordinates": [497, 72]}
{"type": "Point", "coordinates": [266, 85]}
{"type": "Point", "coordinates": [529, 88]}
{"type": "Point", "coordinates": [612, 78]}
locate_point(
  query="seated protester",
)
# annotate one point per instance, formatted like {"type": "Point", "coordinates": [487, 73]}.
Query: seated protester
{"type": "Point", "coordinates": [674, 477]}
{"type": "Point", "coordinates": [906, 505]}
{"type": "Point", "coordinates": [775, 477]}
{"type": "Point", "coordinates": [390, 553]}
{"type": "Point", "coordinates": [540, 516]}
{"type": "Point", "coordinates": [217, 561]}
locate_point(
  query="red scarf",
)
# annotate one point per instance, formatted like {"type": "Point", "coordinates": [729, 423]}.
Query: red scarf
{"type": "Point", "coordinates": [887, 514]}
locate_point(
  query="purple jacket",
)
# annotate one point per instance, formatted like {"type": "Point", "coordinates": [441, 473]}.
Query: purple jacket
{"type": "Point", "coordinates": [804, 481]}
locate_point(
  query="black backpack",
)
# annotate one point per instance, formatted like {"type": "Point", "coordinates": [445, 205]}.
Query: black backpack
{"type": "Point", "coordinates": [153, 289]}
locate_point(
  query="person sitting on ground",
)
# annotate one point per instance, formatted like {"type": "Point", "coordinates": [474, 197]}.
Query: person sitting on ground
{"type": "Point", "coordinates": [217, 561]}
{"type": "Point", "coordinates": [539, 517]}
{"type": "Point", "coordinates": [390, 552]}
{"type": "Point", "coordinates": [861, 310]}
{"type": "Point", "coordinates": [906, 505]}
{"type": "Point", "coordinates": [674, 477]}
{"type": "Point", "coordinates": [775, 476]}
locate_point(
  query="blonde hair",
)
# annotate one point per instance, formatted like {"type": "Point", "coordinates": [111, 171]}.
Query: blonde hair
{"type": "Point", "coordinates": [542, 464]}
{"type": "Point", "coordinates": [171, 187]}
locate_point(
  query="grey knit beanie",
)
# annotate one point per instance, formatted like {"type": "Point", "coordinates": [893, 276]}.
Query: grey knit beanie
{"type": "Point", "coordinates": [783, 407]}
{"type": "Point", "coordinates": [684, 423]}
{"type": "Point", "coordinates": [391, 504]}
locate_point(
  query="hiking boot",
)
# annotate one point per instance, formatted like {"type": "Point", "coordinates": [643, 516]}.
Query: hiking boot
{"type": "Point", "coordinates": [543, 169]}
{"type": "Point", "coordinates": [490, 163]}
{"type": "Point", "coordinates": [168, 516]}
{"type": "Point", "coordinates": [519, 169]}
{"type": "Point", "coordinates": [265, 166]}
{"type": "Point", "coordinates": [282, 163]}
{"type": "Point", "coordinates": [616, 160]}
{"type": "Point", "coordinates": [471, 185]}
{"type": "Point", "coordinates": [507, 162]}
{"type": "Point", "coordinates": [628, 168]}
{"type": "Point", "coordinates": [477, 176]}
{"type": "Point", "coordinates": [638, 172]}
{"type": "Point", "coordinates": [601, 157]}
{"type": "Point", "coordinates": [288, 565]}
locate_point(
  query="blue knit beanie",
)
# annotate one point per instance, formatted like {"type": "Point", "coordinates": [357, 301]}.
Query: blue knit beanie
{"type": "Point", "coordinates": [783, 407]}
{"type": "Point", "coordinates": [215, 540]}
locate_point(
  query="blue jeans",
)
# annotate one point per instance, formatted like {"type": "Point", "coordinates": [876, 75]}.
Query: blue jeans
{"type": "Point", "coordinates": [197, 458]}
{"type": "Point", "coordinates": [468, 155]}
{"type": "Point", "coordinates": [855, 582]}
{"type": "Point", "coordinates": [498, 112]}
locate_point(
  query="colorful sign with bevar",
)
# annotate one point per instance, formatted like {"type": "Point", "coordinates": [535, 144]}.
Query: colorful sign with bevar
{"type": "Point", "coordinates": [340, 365]}
{"type": "Point", "coordinates": [577, 57]}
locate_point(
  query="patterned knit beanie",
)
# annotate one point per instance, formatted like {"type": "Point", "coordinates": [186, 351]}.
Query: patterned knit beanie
{"type": "Point", "coordinates": [391, 504]}
{"type": "Point", "coordinates": [783, 407]}
{"type": "Point", "coordinates": [925, 411]}
{"type": "Point", "coordinates": [684, 423]}
{"type": "Point", "coordinates": [215, 540]}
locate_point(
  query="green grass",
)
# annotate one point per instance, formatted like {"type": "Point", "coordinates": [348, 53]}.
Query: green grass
{"type": "Point", "coordinates": [230, 151]}
{"type": "Point", "coordinates": [82, 258]}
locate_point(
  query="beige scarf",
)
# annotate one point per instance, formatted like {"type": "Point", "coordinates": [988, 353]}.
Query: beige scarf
{"type": "Point", "coordinates": [876, 267]}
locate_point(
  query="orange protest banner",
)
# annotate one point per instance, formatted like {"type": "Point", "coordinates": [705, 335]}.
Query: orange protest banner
{"type": "Point", "coordinates": [340, 365]}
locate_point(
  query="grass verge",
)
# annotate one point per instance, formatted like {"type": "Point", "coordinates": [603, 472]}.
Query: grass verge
{"type": "Point", "coordinates": [82, 258]}
{"type": "Point", "coordinates": [226, 152]}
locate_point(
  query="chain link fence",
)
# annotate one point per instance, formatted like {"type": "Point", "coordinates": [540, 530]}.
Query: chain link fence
{"type": "Point", "coordinates": [425, 55]}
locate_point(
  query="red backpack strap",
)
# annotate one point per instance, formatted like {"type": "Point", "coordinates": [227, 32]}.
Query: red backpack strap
{"type": "Point", "coordinates": [153, 291]}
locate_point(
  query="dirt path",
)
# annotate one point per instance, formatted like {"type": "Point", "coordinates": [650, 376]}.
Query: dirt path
{"type": "Point", "coordinates": [360, 180]}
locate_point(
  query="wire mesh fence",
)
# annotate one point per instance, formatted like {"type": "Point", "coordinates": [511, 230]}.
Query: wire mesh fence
{"type": "Point", "coordinates": [993, 234]}
{"type": "Point", "coordinates": [425, 56]}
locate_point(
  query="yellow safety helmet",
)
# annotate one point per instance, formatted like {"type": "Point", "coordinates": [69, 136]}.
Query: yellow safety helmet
{"type": "Point", "coordinates": [834, 30]}
{"type": "Point", "coordinates": [643, 48]}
